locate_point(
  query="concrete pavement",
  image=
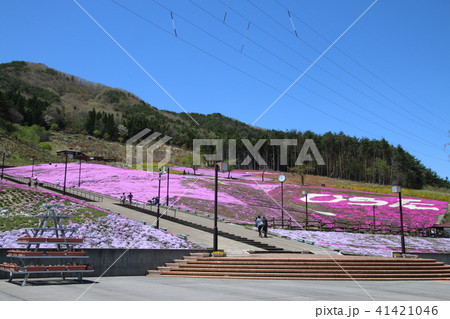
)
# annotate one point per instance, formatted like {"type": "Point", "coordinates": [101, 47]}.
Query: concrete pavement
{"type": "Point", "coordinates": [200, 289]}
{"type": "Point", "coordinates": [205, 238]}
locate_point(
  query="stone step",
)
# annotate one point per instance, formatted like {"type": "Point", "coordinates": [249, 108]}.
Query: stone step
{"type": "Point", "coordinates": [321, 259]}
{"type": "Point", "coordinates": [309, 274]}
{"type": "Point", "coordinates": [305, 263]}
{"type": "Point", "coordinates": [314, 270]}
{"type": "Point", "coordinates": [190, 257]}
{"type": "Point", "coordinates": [301, 267]}
{"type": "Point", "coordinates": [312, 278]}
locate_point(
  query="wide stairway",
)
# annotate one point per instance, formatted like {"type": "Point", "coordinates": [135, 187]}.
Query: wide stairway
{"type": "Point", "coordinates": [305, 267]}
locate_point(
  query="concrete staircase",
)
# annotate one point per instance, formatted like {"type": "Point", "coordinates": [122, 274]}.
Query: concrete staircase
{"type": "Point", "coordinates": [221, 233]}
{"type": "Point", "coordinates": [305, 267]}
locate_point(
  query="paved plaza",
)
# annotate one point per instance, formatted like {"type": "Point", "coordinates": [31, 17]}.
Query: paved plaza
{"type": "Point", "coordinates": [199, 289]}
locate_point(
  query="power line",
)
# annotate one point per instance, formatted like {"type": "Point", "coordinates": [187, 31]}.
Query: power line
{"type": "Point", "coordinates": [367, 70]}
{"type": "Point", "coordinates": [304, 87]}
{"type": "Point", "coordinates": [133, 59]}
{"type": "Point", "coordinates": [251, 76]}
{"type": "Point", "coordinates": [294, 67]}
{"type": "Point", "coordinates": [240, 70]}
{"type": "Point", "coordinates": [430, 126]}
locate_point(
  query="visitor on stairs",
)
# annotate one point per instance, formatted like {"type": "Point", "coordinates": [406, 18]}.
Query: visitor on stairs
{"type": "Point", "coordinates": [259, 225]}
{"type": "Point", "coordinates": [264, 226]}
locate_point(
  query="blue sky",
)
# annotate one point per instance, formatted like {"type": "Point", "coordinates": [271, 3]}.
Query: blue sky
{"type": "Point", "coordinates": [388, 76]}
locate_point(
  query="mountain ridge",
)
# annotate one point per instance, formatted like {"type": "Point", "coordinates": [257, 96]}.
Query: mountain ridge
{"type": "Point", "coordinates": [32, 93]}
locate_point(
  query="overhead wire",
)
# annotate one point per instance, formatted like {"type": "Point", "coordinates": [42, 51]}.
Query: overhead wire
{"type": "Point", "coordinates": [238, 69]}
{"type": "Point", "coordinates": [242, 71]}
{"type": "Point", "coordinates": [248, 74]}
{"type": "Point", "coordinates": [430, 126]}
{"type": "Point", "coordinates": [363, 67]}
{"type": "Point", "coordinates": [334, 91]}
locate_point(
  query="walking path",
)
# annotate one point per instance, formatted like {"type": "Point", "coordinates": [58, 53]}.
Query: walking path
{"type": "Point", "coordinates": [194, 235]}
{"type": "Point", "coordinates": [205, 238]}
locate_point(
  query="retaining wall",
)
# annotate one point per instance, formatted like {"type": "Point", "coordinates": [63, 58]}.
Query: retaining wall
{"type": "Point", "coordinates": [134, 262]}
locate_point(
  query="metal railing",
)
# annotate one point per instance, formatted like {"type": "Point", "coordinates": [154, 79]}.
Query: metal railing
{"type": "Point", "coordinates": [60, 189]}
{"type": "Point", "coordinates": [346, 226]}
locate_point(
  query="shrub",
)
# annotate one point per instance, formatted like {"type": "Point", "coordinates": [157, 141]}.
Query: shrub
{"type": "Point", "coordinates": [46, 146]}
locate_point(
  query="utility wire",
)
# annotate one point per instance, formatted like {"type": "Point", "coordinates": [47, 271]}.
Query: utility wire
{"type": "Point", "coordinates": [363, 67]}
{"type": "Point", "coordinates": [242, 71]}
{"type": "Point", "coordinates": [248, 74]}
{"type": "Point", "coordinates": [418, 138]}
{"type": "Point", "coordinates": [304, 87]}
{"type": "Point", "coordinates": [403, 115]}
{"type": "Point", "coordinates": [133, 59]}
{"type": "Point", "coordinates": [367, 70]}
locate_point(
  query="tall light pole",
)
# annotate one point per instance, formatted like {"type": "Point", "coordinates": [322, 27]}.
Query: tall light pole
{"type": "Point", "coordinates": [32, 167]}
{"type": "Point", "coordinates": [159, 199]}
{"type": "Point", "coordinates": [373, 210]}
{"type": "Point", "coordinates": [3, 161]}
{"type": "Point", "coordinates": [168, 178]}
{"type": "Point", "coordinates": [398, 189]}
{"type": "Point", "coordinates": [65, 176]}
{"type": "Point", "coordinates": [282, 179]}
{"type": "Point", "coordinates": [223, 167]}
{"type": "Point", "coordinates": [79, 175]}
{"type": "Point", "coordinates": [306, 220]}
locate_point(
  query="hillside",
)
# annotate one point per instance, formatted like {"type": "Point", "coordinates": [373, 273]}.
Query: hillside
{"type": "Point", "coordinates": [33, 94]}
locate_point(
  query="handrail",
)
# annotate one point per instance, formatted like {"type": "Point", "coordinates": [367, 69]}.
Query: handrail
{"type": "Point", "coordinates": [71, 190]}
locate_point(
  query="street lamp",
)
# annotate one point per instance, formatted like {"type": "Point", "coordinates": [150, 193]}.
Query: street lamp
{"type": "Point", "coordinates": [65, 176]}
{"type": "Point", "coordinates": [168, 178]}
{"type": "Point", "coordinates": [222, 167]}
{"type": "Point", "coordinates": [306, 220]}
{"type": "Point", "coordinates": [159, 198]}
{"type": "Point", "coordinates": [79, 175]}
{"type": "Point", "coordinates": [32, 167]}
{"type": "Point", "coordinates": [3, 161]}
{"type": "Point", "coordinates": [373, 210]}
{"type": "Point", "coordinates": [282, 179]}
{"type": "Point", "coordinates": [398, 189]}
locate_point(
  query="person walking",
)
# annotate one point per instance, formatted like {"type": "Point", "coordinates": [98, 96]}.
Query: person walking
{"type": "Point", "coordinates": [264, 226]}
{"type": "Point", "coordinates": [130, 198]}
{"type": "Point", "coordinates": [259, 225]}
{"type": "Point", "coordinates": [123, 198]}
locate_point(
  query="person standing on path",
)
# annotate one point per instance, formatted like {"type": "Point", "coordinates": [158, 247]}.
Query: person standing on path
{"type": "Point", "coordinates": [130, 198]}
{"type": "Point", "coordinates": [259, 225]}
{"type": "Point", "coordinates": [264, 226]}
{"type": "Point", "coordinates": [123, 198]}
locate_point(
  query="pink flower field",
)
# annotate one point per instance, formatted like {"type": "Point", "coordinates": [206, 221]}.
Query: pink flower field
{"type": "Point", "coordinates": [100, 228]}
{"type": "Point", "coordinates": [243, 197]}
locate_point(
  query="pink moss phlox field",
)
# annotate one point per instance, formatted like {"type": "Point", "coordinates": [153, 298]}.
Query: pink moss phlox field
{"type": "Point", "coordinates": [368, 244]}
{"type": "Point", "coordinates": [245, 196]}
{"type": "Point", "coordinates": [110, 231]}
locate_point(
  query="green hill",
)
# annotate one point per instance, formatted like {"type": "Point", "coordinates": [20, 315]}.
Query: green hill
{"type": "Point", "coordinates": [33, 94]}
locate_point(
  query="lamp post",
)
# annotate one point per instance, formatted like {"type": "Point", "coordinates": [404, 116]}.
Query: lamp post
{"type": "Point", "coordinates": [32, 167]}
{"type": "Point", "coordinates": [79, 174]}
{"type": "Point", "coordinates": [373, 210]}
{"type": "Point", "coordinates": [168, 178]}
{"type": "Point", "coordinates": [398, 189]}
{"type": "Point", "coordinates": [223, 167]}
{"type": "Point", "coordinates": [306, 209]}
{"type": "Point", "coordinates": [3, 161]}
{"type": "Point", "coordinates": [159, 198]}
{"type": "Point", "coordinates": [65, 176]}
{"type": "Point", "coordinates": [282, 179]}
